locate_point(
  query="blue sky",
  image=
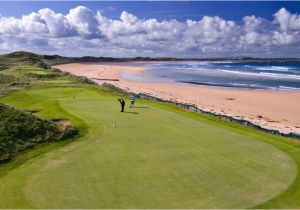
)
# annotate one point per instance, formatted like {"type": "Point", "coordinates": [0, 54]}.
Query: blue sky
{"type": "Point", "coordinates": [126, 29]}
{"type": "Point", "coordinates": [232, 10]}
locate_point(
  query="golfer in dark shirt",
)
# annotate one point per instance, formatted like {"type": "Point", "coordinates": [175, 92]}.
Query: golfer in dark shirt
{"type": "Point", "coordinates": [122, 103]}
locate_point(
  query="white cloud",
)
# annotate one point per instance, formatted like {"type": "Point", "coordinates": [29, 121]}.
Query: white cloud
{"type": "Point", "coordinates": [56, 23]}
{"type": "Point", "coordinates": [83, 20]}
{"type": "Point", "coordinates": [128, 18]}
{"type": "Point", "coordinates": [84, 32]}
{"type": "Point", "coordinates": [286, 20]}
{"type": "Point", "coordinates": [284, 38]}
{"type": "Point", "coordinates": [11, 25]}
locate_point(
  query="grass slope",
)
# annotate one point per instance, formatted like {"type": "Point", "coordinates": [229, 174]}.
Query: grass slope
{"type": "Point", "coordinates": [20, 131]}
{"type": "Point", "coordinates": [155, 157]}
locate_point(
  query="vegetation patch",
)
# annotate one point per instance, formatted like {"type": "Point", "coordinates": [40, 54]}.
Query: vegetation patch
{"type": "Point", "coordinates": [77, 79]}
{"type": "Point", "coordinates": [32, 111]}
{"type": "Point", "coordinates": [6, 79]}
{"type": "Point", "coordinates": [66, 128]}
{"type": "Point", "coordinates": [114, 89]}
{"type": "Point", "coordinates": [41, 75]}
{"type": "Point", "coordinates": [20, 131]}
{"type": "Point", "coordinates": [3, 67]}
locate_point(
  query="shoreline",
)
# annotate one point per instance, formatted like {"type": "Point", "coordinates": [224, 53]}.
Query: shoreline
{"type": "Point", "coordinates": [193, 108]}
{"type": "Point", "coordinates": [238, 87]}
{"type": "Point", "coordinates": [268, 108]}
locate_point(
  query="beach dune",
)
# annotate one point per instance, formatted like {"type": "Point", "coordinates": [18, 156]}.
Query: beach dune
{"type": "Point", "coordinates": [273, 109]}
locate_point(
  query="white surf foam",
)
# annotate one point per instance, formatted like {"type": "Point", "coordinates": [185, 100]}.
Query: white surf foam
{"type": "Point", "coordinates": [288, 88]}
{"type": "Point", "coordinates": [264, 74]}
{"type": "Point", "coordinates": [273, 68]}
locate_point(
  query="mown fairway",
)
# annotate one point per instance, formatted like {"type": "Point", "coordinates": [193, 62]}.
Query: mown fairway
{"type": "Point", "coordinates": [156, 157]}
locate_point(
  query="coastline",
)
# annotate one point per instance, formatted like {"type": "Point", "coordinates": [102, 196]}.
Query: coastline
{"type": "Point", "coordinates": [239, 87]}
{"type": "Point", "coordinates": [194, 108]}
{"type": "Point", "coordinates": [271, 109]}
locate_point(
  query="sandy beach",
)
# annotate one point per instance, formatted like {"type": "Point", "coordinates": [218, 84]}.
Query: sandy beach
{"type": "Point", "coordinates": [273, 109]}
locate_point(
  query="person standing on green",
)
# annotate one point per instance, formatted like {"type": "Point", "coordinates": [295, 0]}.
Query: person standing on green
{"type": "Point", "coordinates": [122, 103]}
{"type": "Point", "coordinates": [132, 100]}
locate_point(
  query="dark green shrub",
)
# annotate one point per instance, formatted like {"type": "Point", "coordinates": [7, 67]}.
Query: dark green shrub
{"type": "Point", "coordinates": [20, 131]}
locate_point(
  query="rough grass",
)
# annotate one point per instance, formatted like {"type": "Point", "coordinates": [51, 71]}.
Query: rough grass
{"type": "Point", "coordinates": [6, 79]}
{"type": "Point", "coordinates": [22, 130]}
{"type": "Point", "coordinates": [157, 156]}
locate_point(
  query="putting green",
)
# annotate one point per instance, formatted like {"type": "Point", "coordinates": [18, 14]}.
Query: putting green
{"type": "Point", "coordinates": [155, 157]}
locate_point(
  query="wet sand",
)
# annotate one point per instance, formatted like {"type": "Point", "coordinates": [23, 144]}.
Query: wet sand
{"type": "Point", "coordinates": [273, 109]}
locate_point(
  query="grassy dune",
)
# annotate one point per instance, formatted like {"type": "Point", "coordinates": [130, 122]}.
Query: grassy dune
{"type": "Point", "coordinates": [156, 156]}
{"type": "Point", "coordinates": [20, 131]}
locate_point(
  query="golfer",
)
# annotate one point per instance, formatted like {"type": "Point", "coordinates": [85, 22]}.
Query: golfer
{"type": "Point", "coordinates": [132, 100]}
{"type": "Point", "coordinates": [122, 103]}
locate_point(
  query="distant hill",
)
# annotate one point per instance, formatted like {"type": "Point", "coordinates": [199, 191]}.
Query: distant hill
{"type": "Point", "coordinates": [28, 58]}
{"type": "Point", "coordinates": [45, 61]}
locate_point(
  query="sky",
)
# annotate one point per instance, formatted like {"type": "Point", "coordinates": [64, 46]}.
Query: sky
{"type": "Point", "coordinates": [154, 29]}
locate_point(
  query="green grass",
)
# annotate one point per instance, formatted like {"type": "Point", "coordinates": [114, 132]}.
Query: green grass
{"type": "Point", "coordinates": [39, 72]}
{"type": "Point", "coordinates": [158, 156]}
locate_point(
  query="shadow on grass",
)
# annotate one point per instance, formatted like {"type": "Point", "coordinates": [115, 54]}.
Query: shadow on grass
{"type": "Point", "coordinates": [141, 107]}
{"type": "Point", "coordinates": [130, 112]}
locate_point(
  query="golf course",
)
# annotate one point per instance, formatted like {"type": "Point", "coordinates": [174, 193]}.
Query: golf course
{"type": "Point", "coordinates": [155, 155]}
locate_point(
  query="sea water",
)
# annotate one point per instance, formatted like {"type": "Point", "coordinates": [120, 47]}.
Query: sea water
{"type": "Point", "coordinates": [270, 75]}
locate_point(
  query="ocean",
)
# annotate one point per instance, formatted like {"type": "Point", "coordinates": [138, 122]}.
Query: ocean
{"type": "Point", "coordinates": [260, 75]}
